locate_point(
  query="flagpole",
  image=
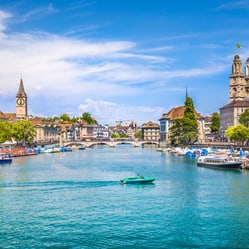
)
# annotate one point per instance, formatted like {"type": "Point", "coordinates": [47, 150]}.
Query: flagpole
{"type": "Point", "coordinates": [238, 46]}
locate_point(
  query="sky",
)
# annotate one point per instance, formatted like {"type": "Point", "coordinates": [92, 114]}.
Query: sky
{"type": "Point", "coordinates": [120, 59]}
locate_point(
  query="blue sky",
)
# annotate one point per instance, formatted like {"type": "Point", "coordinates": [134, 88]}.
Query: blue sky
{"type": "Point", "coordinates": [120, 59]}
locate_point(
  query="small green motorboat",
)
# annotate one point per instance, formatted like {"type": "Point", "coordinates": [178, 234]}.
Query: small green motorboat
{"type": "Point", "coordinates": [137, 180]}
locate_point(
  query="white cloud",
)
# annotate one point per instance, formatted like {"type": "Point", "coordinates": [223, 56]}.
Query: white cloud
{"type": "Point", "coordinates": [3, 17]}
{"type": "Point", "coordinates": [57, 68]}
{"type": "Point", "coordinates": [240, 4]}
{"type": "Point", "coordinates": [110, 112]}
{"type": "Point", "coordinates": [54, 62]}
{"type": "Point", "coordinates": [38, 12]}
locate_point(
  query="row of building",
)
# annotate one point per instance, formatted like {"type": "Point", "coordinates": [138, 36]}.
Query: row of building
{"type": "Point", "coordinates": [49, 131]}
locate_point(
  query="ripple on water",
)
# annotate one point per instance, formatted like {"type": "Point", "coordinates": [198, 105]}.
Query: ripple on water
{"type": "Point", "coordinates": [77, 201]}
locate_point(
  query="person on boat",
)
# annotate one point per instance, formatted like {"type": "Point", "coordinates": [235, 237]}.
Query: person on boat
{"type": "Point", "coordinates": [140, 176]}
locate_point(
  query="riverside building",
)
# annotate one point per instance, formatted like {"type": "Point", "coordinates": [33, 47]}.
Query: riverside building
{"type": "Point", "coordinates": [167, 120]}
{"type": "Point", "coordinates": [47, 131]}
{"type": "Point", "coordinates": [238, 95]}
{"type": "Point", "coordinates": [150, 131]}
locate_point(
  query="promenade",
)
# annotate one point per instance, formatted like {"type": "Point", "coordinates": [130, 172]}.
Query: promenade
{"type": "Point", "coordinates": [223, 145]}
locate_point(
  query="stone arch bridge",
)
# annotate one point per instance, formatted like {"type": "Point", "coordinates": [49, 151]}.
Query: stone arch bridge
{"type": "Point", "coordinates": [89, 144]}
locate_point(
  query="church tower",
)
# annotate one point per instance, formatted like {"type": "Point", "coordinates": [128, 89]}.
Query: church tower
{"type": "Point", "coordinates": [247, 76]}
{"type": "Point", "coordinates": [21, 102]}
{"type": "Point", "coordinates": [237, 81]}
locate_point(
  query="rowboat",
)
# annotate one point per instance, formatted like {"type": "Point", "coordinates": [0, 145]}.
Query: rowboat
{"type": "Point", "coordinates": [137, 180]}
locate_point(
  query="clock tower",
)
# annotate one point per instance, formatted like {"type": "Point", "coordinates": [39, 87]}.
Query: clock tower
{"type": "Point", "coordinates": [21, 102]}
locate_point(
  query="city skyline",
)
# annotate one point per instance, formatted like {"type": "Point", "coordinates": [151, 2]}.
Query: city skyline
{"type": "Point", "coordinates": [120, 60]}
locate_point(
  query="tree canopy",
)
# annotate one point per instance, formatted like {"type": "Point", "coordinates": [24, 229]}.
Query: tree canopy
{"type": "Point", "coordinates": [5, 131]}
{"type": "Point", "coordinates": [244, 118]}
{"type": "Point", "coordinates": [86, 116]}
{"type": "Point", "coordinates": [215, 122]}
{"type": "Point", "coordinates": [189, 111]}
{"type": "Point", "coordinates": [65, 117]}
{"type": "Point", "coordinates": [238, 133]}
{"type": "Point", "coordinates": [185, 130]}
{"type": "Point", "coordinates": [138, 134]}
{"type": "Point", "coordinates": [23, 131]}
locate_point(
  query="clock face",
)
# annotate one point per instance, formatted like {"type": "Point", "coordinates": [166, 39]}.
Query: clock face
{"type": "Point", "coordinates": [20, 101]}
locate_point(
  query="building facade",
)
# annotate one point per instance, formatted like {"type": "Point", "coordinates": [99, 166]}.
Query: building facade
{"type": "Point", "coordinates": [238, 95]}
{"type": "Point", "coordinates": [230, 114]}
{"type": "Point", "coordinates": [167, 120]}
{"type": "Point", "coordinates": [150, 131]}
{"type": "Point", "coordinates": [47, 131]}
{"type": "Point", "coordinates": [101, 132]}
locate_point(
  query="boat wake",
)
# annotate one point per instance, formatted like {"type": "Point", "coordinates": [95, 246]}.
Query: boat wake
{"type": "Point", "coordinates": [57, 185]}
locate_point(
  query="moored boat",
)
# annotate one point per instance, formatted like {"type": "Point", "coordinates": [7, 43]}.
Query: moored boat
{"type": "Point", "coordinates": [137, 180]}
{"type": "Point", "coordinates": [5, 158]}
{"type": "Point", "coordinates": [23, 152]}
{"type": "Point", "coordinates": [219, 162]}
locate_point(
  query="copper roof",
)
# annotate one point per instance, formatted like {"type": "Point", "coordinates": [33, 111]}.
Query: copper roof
{"type": "Point", "coordinates": [37, 121]}
{"type": "Point", "coordinates": [208, 118]}
{"type": "Point", "coordinates": [7, 116]}
{"type": "Point", "coordinates": [237, 103]}
{"type": "Point", "coordinates": [178, 112]}
{"type": "Point", "coordinates": [64, 126]}
{"type": "Point", "coordinates": [150, 124]}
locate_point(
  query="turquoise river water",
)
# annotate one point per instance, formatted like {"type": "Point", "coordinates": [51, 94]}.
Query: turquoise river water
{"type": "Point", "coordinates": [75, 200]}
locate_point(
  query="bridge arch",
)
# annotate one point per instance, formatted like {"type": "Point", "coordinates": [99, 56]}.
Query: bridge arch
{"type": "Point", "coordinates": [89, 144]}
{"type": "Point", "coordinates": [150, 142]}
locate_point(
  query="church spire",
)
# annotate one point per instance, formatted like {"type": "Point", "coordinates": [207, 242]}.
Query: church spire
{"type": "Point", "coordinates": [21, 91]}
{"type": "Point", "coordinates": [21, 102]}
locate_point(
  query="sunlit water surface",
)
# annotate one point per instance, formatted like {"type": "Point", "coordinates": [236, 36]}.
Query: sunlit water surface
{"type": "Point", "coordinates": [75, 200]}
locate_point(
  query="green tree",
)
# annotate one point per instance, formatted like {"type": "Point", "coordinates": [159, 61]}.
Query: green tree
{"type": "Point", "coordinates": [215, 122]}
{"type": "Point", "coordinates": [244, 118]}
{"type": "Point", "coordinates": [86, 116]}
{"type": "Point", "coordinates": [54, 119]}
{"type": "Point", "coordinates": [74, 119]}
{"type": "Point", "coordinates": [65, 117]}
{"type": "Point", "coordinates": [115, 135]}
{"type": "Point", "coordinates": [138, 134]}
{"type": "Point", "coordinates": [5, 131]}
{"type": "Point", "coordinates": [176, 131]}
{"type": "Point", "coordinates": [123, 135]}
{"type": "Point", "coordinates": [238, 133]}
{"type": "Point", "coordinates": [189, 111]}
{"type": "Point", "coordinates": [184, 130]}
{"type": "Point", "coordinates": [23, 131]}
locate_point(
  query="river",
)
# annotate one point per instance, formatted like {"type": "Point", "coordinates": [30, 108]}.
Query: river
{"type": "Point", "coordinates": [75, 200]}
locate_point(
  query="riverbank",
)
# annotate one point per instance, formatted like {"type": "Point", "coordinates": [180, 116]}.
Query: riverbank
{"type": "Point", "coordinates": [222, 145]}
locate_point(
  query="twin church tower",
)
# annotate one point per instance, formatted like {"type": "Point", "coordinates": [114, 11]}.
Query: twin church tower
{"type": "Point", "coordinates": [239, 82]}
